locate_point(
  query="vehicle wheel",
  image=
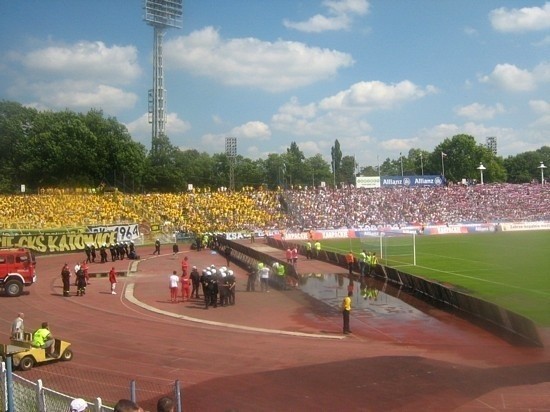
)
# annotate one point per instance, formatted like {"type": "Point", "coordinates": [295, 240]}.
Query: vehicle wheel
{"type": "Point", "coordinates": [13, 288]}
{"type": "Point", "coordinates": [26, 363]}
{"type": "Point", "coordinates": [67, 355]}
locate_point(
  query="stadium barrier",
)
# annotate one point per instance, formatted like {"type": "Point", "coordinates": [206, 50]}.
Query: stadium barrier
{"type": "Point", "coordinates": [34, 397]}
{"type": "Point", "coordinates": [498, 320]}
{"type": "Point", "coordinates": [28, 396]}
{"type": "Point", "coordinates": [249, 258]}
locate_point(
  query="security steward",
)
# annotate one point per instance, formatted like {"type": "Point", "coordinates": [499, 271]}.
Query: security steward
{"type": "Point", "coordinates": [43, 338]}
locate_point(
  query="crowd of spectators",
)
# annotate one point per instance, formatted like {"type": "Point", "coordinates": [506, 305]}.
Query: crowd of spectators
{"type": "Point", "coordinates": [314, 208]}
{"type": "Point", "coordinates": [196, 212]}
{"type": "Point", "coordinates": [357, 208]}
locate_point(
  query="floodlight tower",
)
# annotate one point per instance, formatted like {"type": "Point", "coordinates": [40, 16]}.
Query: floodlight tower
{"type": "Point", "coordinates": [161, 14]}
{"type": "Point", "coordinates": [231, 153]}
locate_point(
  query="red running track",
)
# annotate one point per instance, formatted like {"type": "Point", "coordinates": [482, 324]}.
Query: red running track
{"type": "Point", "coordinates": [277, 351]}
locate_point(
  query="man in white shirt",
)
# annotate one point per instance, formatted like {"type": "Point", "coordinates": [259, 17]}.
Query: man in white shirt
{"type": "Point", "coordinates": [18, 327]}
{"type": "Point", "coordinates": [264, 279]}
{"type": "Point", "coordinates": [174, 281]}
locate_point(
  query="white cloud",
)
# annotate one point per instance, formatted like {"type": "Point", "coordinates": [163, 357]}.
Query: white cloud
{"type": "Point", "coordinates": [540, 106]}
{"type": "Point", "coordinates": [141, 130]}
{"type": "Point", "coordinates": [520, 20]}
{"type": "Point", "coordinates": [79, 95]}
{"type": "Point", "coordinates": [511, 78]}
{"type": "Point", "coordinates": [271, 66]}
{"type": "Point", "coordinates": [84, 60]}
{"type": "Point", "coordinates": [343, 115]}
{"type": "Point", "coordinates": [250, 131]}
{"type": "Point", "coordinates": [340, 17]}
{"type": "Point", "coordinates": [320, 23]}
{"type": "Point", "coordinates": [366, 96]}
{"type": "Point", "coordinates": [478, 111]}
{"type": "Point", "coordinates": [401, 145]}
{"type": "Point", "coordinates": [78, 77]}
{"type": "Point", "coordinates": [509, 141]}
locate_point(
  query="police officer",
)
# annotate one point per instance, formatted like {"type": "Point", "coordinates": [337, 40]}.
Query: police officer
{"type": "Point", "coordinates": [231, 283]}
{"type": "Point", "coordinates": [103, 253]}
{"type": "Point", "coordinates": [251, 282]}
{"type": "Point", "coordinates": [88, 252]}
{"type": "Point", "coordinates": [195, 282]}
{"type": "Point", "coordinates": [223, 288]}
{"type": "Point", "coordinates": [80, 282]}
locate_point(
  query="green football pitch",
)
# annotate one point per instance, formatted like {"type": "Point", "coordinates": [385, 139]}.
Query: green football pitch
{"type": "Point", "coordinates": [510, 269]}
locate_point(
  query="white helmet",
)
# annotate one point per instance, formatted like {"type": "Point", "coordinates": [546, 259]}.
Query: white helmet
{"type": "Point", "coordinates": [230, 272]}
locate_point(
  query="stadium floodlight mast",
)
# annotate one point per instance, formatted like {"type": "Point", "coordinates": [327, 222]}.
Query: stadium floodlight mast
{"type": "Point", "coordinates": [161, 14]}
{"type": "Point", "coordinates": [231, 153]}
{"type": "Point", "coordinates": [481, 168]}
{"type": "Point", "coordinates": [541, 167]}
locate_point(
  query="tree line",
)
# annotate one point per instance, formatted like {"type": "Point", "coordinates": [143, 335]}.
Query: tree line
{"type": "Point", "coordinates": [45, 149]}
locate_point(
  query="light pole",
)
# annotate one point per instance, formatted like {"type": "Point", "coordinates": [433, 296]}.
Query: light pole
{"type": "Point", "coordinates": [541, 167]}
{"type": "Point", "coordinates": [421, 164]}
{"type": "Point", "coordinates": [481, 168]}
{"type": "Point", "coordinates": [443, 155]}
{"type": "Point", "coordinates": [401, 160]}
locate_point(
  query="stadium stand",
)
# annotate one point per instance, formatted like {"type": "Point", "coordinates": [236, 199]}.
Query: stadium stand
{"type": "Point", "coordinates": [224, 211]}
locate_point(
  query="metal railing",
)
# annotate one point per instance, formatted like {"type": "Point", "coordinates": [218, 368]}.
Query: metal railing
{"type": "Point", "coordinates": [18, 394]}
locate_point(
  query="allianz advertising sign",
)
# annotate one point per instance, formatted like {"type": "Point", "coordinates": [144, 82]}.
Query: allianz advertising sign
{"type": "Point", "coordinates": [428, 180]}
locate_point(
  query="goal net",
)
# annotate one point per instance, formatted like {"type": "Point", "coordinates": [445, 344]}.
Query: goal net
{"type": "Point", "coordinates": [392, 248]}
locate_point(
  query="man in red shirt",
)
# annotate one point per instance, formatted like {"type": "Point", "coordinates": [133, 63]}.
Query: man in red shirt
{"type": "Point", "coordinates": [112, 280]}
{"type": "Point", "coordinates": [185, 266]}
{"type": "Point", "coordinates": [349, 260]}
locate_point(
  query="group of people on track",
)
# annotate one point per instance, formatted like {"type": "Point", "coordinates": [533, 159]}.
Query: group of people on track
{"type": "Point", "coordinates": [217, 285]}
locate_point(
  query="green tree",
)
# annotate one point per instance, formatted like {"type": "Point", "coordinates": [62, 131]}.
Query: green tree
{"type": "Point", "coordinates": [336, 157]}
{"type": "Point", "coordinates": [249, 173]}
{"type": "Point", "coordinates": [275, 170]}
{"type": "Point", "coordinates": [318, 170]}
{"type": "Point", "coordinates": [347, 170]}
{"type": "Point", "coordinates": [459, 158]}
{"type": "Point", "coordinates": [163, 175]}
{"type": "Point", "coordinates": [16, 122]}
{"type": "Point", "coordinates": [524, 167]}
{"type": "Point", "coordinates": [121, 160]}
{"type": "Point", "coordinates": [294, 159]}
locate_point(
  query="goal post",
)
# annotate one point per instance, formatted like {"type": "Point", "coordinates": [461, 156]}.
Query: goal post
{"type": "Point", "coordinates": [392, 248]}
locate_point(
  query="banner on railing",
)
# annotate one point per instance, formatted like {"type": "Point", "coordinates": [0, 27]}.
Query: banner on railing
{"type": "Point", "coordinates": [125, 233]}
{"type": "Point", "coordinates": [52, 243]}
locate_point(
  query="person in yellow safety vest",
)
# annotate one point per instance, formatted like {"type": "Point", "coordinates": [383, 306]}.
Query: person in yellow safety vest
{"type": "Point", "coordinates": [362, 262]}
{"type": "Point", "coordinates": [369, 260]}
{"type": "Point", "coordinates": [346, 309]}
{"type": "Point", "coordinates": [43, 338]}
{"type": "Point", "coordinates": [308, 250]}
{"type": "Point", "coordinates": [279, 270]}
{"type": "Point", "coordinates": [317, 247]}
{"type": "Point", "coordinates": [373, 263]}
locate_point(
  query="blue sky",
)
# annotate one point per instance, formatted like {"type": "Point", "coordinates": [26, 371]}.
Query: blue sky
{"type": "Point", "coordinates": [381, 76]}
